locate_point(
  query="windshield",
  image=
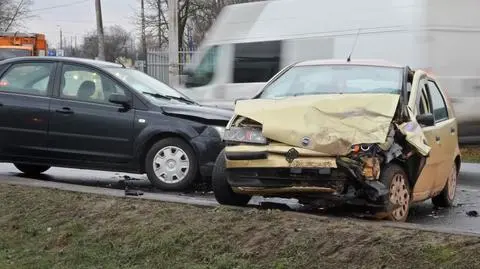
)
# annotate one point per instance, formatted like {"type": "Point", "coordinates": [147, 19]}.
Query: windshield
{"type": "Point", "coordinates": [6, 53]}
{"type": "Point", "coordinates": [333, 79]}
{"type": "Point", "coordinates": [144, 83]}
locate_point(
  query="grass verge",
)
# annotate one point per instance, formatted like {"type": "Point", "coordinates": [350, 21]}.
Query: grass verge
{"type": "Point", "coordinates": [43, 228]}
{"type": "Point", "coordinates": [470, 153]}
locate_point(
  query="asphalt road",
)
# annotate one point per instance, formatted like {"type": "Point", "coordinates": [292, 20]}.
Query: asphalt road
{"type": "Point", "coordinates": [424, 214]}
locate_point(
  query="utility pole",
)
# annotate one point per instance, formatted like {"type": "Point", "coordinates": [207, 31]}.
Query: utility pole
{"type": "Point", "coordinates": [144, 37]}
{"type": "Point", "coordinates": [101, 38]}
{"type": "Point", "coordinates": [61, 39]}
{"type": "Point", "coordinates": [172, 41]}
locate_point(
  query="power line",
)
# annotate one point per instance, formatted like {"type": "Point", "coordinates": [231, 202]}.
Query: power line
{"type": "Point", "coordinates": [60, 6]}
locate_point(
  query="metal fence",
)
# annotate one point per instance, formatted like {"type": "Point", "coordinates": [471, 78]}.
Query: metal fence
{"type": "Point", "coordinates": [157, 64]}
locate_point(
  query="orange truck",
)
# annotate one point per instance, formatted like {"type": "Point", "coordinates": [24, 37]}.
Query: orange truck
{"type": "Point", "coordinates": [22, 44]}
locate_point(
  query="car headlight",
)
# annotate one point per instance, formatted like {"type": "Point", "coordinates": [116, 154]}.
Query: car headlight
{"type": "Point", "coordinates": [220, 130]}
{"type": "Point", "coordinates": [244, 135]}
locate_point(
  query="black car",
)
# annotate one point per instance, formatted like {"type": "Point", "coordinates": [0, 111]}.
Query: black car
{"type": "Point", "coordinates": [80, 113]}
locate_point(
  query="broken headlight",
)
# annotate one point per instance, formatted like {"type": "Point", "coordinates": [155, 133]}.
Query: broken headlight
{"type": "Point", "coordinates": [244, 135]}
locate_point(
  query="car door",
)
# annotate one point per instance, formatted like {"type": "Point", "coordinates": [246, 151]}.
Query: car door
{"type": "Point", "coordinates": [84, 125]}
{"type": "Point", "coordinates": [420, 104]}
{"type": "Point", "coordinates": [446, 126]}
{"type": "Point", "coordinates": [25, 89]}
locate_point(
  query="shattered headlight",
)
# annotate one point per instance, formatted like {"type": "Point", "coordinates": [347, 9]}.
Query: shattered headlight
{"type": "Point", "coordinates": [245, 135]}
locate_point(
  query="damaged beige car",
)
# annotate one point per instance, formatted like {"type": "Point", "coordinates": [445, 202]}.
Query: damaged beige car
{"type": "Point", "coordinates": [332, 132]}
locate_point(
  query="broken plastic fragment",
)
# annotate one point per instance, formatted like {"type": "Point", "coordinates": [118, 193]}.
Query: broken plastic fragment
{"type": "Point", "coordinates": [414, 136]}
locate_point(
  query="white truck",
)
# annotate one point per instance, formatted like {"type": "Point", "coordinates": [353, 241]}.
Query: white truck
{"type": "Point", "coordinates": [251, 42]}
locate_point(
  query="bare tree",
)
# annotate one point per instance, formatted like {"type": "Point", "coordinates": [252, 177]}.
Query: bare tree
{"type": "Point", "coordinates": [197, 15]}
{"type": "Point", "coordinates": [118, 43]}
{"type": "Point", "coordinates": [13, 12]}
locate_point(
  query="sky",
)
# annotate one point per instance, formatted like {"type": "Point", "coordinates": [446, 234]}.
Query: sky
{"type": "Point", "coordinates": [77, 17]}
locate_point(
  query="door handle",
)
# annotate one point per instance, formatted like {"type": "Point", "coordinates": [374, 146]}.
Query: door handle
{"type": "Point", "coordinates": [64, 110]}
{"type": "Point", "coordinates": [437, 138]}
{"type": "Point", "coordinates": [452, 130]}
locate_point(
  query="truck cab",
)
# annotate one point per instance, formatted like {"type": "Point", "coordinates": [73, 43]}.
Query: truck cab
{"type": "Point", "coordinates": [21, 44]}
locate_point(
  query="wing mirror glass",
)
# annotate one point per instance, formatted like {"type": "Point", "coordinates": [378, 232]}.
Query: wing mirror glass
{"type": "Point", "coordinates": [119, 99]}
{"type": "Point", "coordinates": [426, 119]}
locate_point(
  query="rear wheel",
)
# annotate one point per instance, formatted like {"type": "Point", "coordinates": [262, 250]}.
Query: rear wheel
{"type": "Point", "coordinates": [221, 189]}
{"type": "Point", "coordinates": [446, 197]}
{"type": "Point", "coordinates": [31, 169]}
{"type": "Point", "coordinates": [395, 178]}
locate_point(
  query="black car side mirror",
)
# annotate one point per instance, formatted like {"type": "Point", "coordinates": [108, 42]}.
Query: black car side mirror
{"type": "Point", "coordinates": [426, 119]}
{"type": "Point", "coordinates": [119, 99]}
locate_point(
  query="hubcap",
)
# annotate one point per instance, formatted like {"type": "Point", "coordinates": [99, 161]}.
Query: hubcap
{"type": "Point", "coordinates": [171, 164]}
{"type": "Point", "coordinates": [452, 183]}
{"type": "Point", "coordinates": [399, 196]}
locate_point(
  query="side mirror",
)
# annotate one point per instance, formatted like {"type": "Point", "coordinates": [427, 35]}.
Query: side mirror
{"type": "Point", "coordinates": [426, 119]}
{"type": "Point", "coordinates": [187, 71]}
{"type": "Point", "coordinates": [119, 99]}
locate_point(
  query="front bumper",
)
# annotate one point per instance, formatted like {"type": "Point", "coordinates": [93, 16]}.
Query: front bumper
{"type": "Point", "coordinates": [269, 173]}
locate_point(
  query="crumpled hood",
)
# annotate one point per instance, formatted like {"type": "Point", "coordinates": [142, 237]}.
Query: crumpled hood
{"type": "Point", "coordinates": [328, 124]}
{"type": "Point", "coordinates": [196, 111]}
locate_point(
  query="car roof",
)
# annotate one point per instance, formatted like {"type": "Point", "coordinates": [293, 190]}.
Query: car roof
{"type": "Point", "coordinates": [367, 62]}
{"type": "Point", "coordinates": [97, 63]}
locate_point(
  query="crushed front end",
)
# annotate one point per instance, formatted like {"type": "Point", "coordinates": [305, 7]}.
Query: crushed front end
{"type": "Point", "coordinates": [330, 169]}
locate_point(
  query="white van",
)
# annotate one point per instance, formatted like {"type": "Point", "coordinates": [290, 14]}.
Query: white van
{"type": "Point", "coordinates": [251, 42]}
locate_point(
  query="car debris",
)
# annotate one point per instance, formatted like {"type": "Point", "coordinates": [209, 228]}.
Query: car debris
{"type": "Point", "coordinates": [375, 146]}
{"type": "Point", "coordinates": [472, 213]}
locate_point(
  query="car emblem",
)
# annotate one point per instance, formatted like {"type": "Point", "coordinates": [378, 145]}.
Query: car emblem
{"type": "Point", "coordinates": [306, 141]}
{"type": "Point", "coordinates": [291, 155]}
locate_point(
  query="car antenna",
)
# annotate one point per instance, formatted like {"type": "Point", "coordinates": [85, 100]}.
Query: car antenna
{"type": "Point", "coordinates": [354, 45]}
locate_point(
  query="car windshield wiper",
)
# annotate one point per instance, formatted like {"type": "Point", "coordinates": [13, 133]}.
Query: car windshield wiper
{"type": "Point", "coordinates": [170, 97]}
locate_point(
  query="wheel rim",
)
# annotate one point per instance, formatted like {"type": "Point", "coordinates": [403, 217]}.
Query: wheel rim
{"type": "Point", "coordinates": [452, 183]}
{"type": "Point", "coordinates": [400, 196]}
{"type": "Point", "coordinates": [171, 164]}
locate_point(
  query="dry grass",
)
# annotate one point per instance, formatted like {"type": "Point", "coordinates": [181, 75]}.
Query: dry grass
{"type": "Point", "coordinates": [470, 154]}
{"type": "Point", "coordinates": [44, 228]}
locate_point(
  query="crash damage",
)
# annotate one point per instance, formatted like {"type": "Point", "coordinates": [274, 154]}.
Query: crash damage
{"type": "Point", "coordinates": [313, 149]}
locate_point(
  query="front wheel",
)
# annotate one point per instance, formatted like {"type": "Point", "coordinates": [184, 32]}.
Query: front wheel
{"type": "Point", "coordinates": [171, 165]}
{"type": "Point", "coordinates": [446, 197]}
{"type": "Point", "coordinates": [221, 189]}
{"type": "Point", "coordinates": [31, 169]}
{"type": "Point", "coordinates": [396, 180]}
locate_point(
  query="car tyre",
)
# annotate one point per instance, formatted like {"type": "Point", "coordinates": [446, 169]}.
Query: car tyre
{"type": "Point", "coordinates": [447, 196]}
{"type": "Point", "coordinates": [171, 165]}
{"type": "Point", "coordinates": [31, 169]}
{"type": "Point", "coordinates": [221, 188]}
{"type": "Point", "coordinates": [396, 180]}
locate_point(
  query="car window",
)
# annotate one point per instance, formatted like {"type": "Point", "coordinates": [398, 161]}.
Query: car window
{"type": "Point", "coordinates": [256, 61]}
{"type": "Point", "coordinates": [27, 78]}
{"type": "Point", "coordinates": [440, 112]}
{"type": "Point", "coordinates": [204, 72]}
{"type": "Point", "coordinates": [423, 103]}
{"type": "Point", "coordinates": [335, 79]}
{"type": "Point", "coordinates": [84, 84]}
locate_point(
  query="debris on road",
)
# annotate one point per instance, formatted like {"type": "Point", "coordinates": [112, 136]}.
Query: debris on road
{"type": "Point", "coordinates": [472, 213]}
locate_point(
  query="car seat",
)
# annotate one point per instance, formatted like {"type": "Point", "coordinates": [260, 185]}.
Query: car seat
{"type": "Point", "coordinates": [86, 90]}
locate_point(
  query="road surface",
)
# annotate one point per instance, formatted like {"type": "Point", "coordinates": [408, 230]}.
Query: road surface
{"type": "Point", "coordinates": [455, 218]}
